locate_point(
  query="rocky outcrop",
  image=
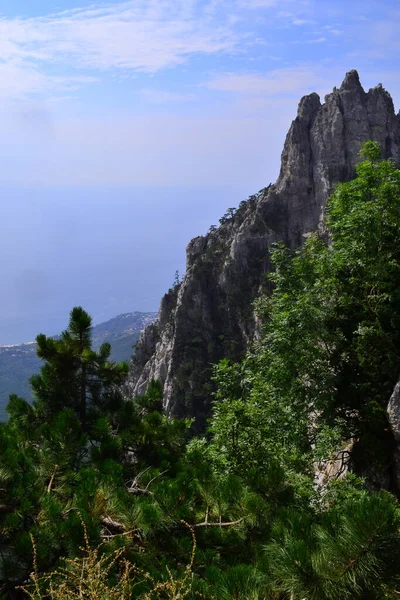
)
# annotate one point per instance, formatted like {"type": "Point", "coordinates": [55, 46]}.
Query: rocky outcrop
{"type": "Point", "coordinates": [332, 469]}
{"type": "Point", "coordinates": [209, 314]}
{"type": "Point", "coordinates": [393, 412]}
{"type": "Point", "coordinates": [393, 415]}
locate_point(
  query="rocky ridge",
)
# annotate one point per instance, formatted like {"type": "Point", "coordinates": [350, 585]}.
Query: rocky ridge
{"type": "Point", "coordinates": [209, 314]}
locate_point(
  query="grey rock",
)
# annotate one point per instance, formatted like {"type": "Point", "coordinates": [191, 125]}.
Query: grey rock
{"type": "Point", "coordinates": [393, 412]}
{"type": "Point", "coordinates": [393, 416]}
{"type": "Point", "coordinates": [333, 469]}
{"type": "Point", "coordinates": [396, 470]}
{"type": "Point", "coordinates": [210, 314]}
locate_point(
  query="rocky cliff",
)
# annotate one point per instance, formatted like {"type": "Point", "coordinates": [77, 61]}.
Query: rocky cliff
{"type": "Point", "coordinates": [209, 314]}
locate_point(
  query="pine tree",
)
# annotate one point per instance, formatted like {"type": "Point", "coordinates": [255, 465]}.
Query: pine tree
{"type": "Point", "coordinates": [74, 375]}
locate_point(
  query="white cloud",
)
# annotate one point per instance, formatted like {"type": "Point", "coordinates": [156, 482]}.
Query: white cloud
{"type": "Point", "coordinates": [317, 41]}
{"type": "Point", "coordinates": [141, 35]}
{"type": "Point", "coordinates": [161, 96]}
{"type": "Point", "coordinates": [19, 79]}
{"type": "Point", "coordinates": [236, 141]}
{"type": "Point", "coordinates": [253, 4]}
{"type": "Point", "coordinates": [303, 22]}
{"type": "Point", "coordinates": [60, 52]}
{"type": "Point", "coordinates": [280, 81]}
{"type": "Point", "coordinates": [333, 29]}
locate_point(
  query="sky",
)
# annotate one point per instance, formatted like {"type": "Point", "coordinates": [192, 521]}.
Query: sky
{"type": "Point", "coordinates": [127, 128]}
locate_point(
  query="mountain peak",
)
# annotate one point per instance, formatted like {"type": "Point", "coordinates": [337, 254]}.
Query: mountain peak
{"type": "Point", "coordinates": [308, 106]}
{"type": "Point", "coordinates": [351, 81]}
{"type": "Point", "coordinates": [209, 316]}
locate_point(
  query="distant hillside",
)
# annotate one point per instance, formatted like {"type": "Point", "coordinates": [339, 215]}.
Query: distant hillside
{"type": "Point", "coordinates": [19, 362]}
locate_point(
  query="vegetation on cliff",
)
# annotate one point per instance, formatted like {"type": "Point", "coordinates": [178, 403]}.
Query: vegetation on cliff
{"type": "Point", "coordinates": [105, 497]}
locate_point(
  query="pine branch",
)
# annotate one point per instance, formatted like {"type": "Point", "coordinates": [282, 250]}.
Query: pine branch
{"type": "Point", "coordinates": [207, 524]}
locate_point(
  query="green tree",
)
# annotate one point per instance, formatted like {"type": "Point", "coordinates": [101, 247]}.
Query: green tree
{"type": "Point", "coordinates": [82, 451]}
{"type": "Point", "coordinates": [349, 552]}
{"type": "Point", "coordinates": [329, 354]}
{"type": "Point", "coordinates": [74, 375]}
{"type": "Point", "coordinates": [320, 373]}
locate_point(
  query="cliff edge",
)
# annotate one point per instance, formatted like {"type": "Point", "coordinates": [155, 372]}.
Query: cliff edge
{"type": "Point", "coordinates": [209, 315]}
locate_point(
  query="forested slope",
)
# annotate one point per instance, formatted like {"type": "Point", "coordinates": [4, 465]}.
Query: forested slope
{"type": "Point", "coordinates": [291, 495]}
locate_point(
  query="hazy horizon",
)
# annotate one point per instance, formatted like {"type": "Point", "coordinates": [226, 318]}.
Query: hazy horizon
{"type": "Point", "coordinates": [129, 127]}
{"type": "Point", "coordinates": [109, 259]}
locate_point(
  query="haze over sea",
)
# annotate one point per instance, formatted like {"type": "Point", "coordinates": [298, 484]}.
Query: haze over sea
{"type": "Point", "coordinates": [127, 128]}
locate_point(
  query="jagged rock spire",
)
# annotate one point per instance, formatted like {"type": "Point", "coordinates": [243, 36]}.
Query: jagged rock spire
{"type": "Point", "coordinates": [351, 82]}
{"type": "Point", "coordinates": [209, 315]}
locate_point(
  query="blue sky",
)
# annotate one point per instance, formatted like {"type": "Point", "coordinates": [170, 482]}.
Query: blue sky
{"type": "Point", "coordinates": [126, 128]}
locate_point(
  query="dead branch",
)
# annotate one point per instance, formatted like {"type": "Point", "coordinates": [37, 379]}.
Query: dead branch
{"type": "Point", "coordinates": [109, 536]}
{"type": "Point", "coordinates": [156, 477]}
{"type": "Point", "coordinates": [52, 480]}
{"type": "Point", "coordinates": [134, 488]}
{"type": "Point", "coordinates": [207, 524]}
{"type": "Point", "coordinates": [139, 491]}
{"type": "Point", "coordinates": [113, 525]}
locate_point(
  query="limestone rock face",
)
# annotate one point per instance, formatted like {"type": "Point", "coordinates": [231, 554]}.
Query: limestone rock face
{"type": "Point", "coordinates": [209, 315]}
{"type": "Point", "coordinates": [393, 412]}
{"type": "Point", "coordinates": [393, 416]}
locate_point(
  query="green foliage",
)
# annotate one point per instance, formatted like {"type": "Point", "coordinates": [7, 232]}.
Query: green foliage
{"type": "Point", "coordinates": [321, 374]}
{"type": "Point", "coordinates": [349, 553]}
{"type": "Point", "coordinates": [330, 348]}
{"type": "Point", "coordinates": [315, 383]}
{"type": "Point", "coordinates": [74, 375]}
{"type": "Point", "coordinates": [19, 363]}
